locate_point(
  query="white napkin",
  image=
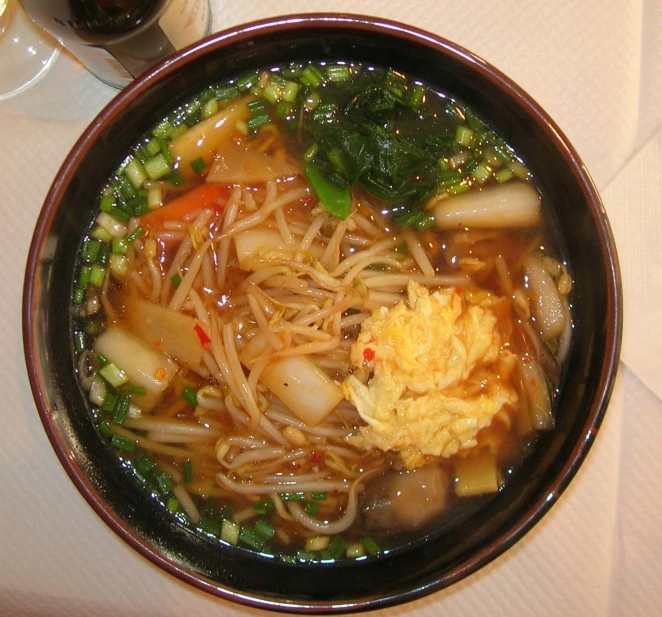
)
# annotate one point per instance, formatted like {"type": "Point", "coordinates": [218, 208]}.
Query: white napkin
{"type": "Point", "coordinates": [633, 201]}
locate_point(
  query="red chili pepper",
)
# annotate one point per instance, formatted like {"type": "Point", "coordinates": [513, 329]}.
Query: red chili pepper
{"type": "Point", "coordinates": [315, 457]}
{"type": "Point", "coordinates": [368, 354]}
{"type": "Point", "coordinates": [202, 335]}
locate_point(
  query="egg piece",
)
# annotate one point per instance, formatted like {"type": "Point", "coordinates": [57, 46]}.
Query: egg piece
{"type": "Point", "coordinates": [424, 399]}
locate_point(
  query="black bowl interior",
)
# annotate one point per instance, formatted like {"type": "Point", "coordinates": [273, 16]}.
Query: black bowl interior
{"type": "Point", "coordinates": [426, 566]}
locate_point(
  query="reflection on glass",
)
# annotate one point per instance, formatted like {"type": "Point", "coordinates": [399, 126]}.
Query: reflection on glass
{"type": "Point", "coordinates": [26, 52]}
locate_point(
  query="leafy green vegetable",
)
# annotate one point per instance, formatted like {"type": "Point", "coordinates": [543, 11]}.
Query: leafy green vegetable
{"type": "Point", "coordinates": [336, 198]}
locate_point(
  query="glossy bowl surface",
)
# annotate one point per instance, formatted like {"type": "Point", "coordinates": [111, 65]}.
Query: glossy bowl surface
{"type": "Point", "coordinates": [414, 570]}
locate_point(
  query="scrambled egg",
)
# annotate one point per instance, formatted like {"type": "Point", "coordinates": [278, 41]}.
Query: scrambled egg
{"type": "Point", "coordinates": [438, 366]}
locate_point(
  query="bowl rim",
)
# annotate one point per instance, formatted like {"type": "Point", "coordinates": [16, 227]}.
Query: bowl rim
{"type": "Point", "coordinates": [349, 22]}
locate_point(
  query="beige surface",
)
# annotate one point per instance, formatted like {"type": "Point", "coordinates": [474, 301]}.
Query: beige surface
{"type": "Point", "coordinates": [595, 66]}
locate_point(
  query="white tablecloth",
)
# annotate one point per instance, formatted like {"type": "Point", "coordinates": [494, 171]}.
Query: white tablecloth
{"type": "Point", "coordinates": [596, 67]}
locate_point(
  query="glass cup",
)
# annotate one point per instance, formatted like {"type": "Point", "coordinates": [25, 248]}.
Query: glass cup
{"type": "Point", "coordinates": [26, 52]}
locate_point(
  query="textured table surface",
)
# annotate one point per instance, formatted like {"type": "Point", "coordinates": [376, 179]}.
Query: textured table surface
{"type": "Point", "coordinates": [595, 66]}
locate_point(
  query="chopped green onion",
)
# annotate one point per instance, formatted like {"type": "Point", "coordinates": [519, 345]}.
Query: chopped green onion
{"type": "Point", "coordinates": [102, 359]}
{"type": "Point", "coordinates": [337, 73]}
{"type": "Point", "coordinates": [139, 231]}
{"type": "Point", "coordinates": [145, 464]}
{"type": "Point", "coordinates": [262, 507]}
{"type": "Point", "coordinates": [97, 275]}
{"type": "Point", "coordinates": [370, 545]}
{"type": "Point", "coordinates": [336, 549]}
{"type": "Point", "coordinates": [175, 280]}
{"type": "Point", "coordinates": [257, 122]}
{"type": "Point", "coordinates": [273, 93]}
{"type": "Point", "coordinates": [104, 255]}
{"type": "Point", "coordinates": [293, 496]}
{"type": "Point", "coordinates": [163, 483]}
{"type": "Point", "coordinates": [249, 537]}
{"type": "Point", "coordinates": [312, 101]}
{"type": "Point", "coordinates": [164, 150]}
{"type": "Point", "coordinates": [79, 296]}
{"type": "Point", "coordinates": [84, 277]}
{"type": "Point", "coordinates": [503, 175]}
{"type": "Point", "coordinates": [355, 550]}
{"type": "Point", "coordinates": [132, 389]}
{"type": "Point", "coordinates": [121, 409]}
{"type": "Point", "coordinates": [246, 82]}
{"type": "Point", "coordinates": [464, 136]}
{"type": "Point", "coordinates": [119, 265]}
{"type": "Point", "coordinates": [157, 167]}
{"type": "Point", "coordinates": [187, 471]}
{"type": "Point", "coordinates": [312, 508]}
{"type": "Point", "coordinates": [263, 530]}
{"type": "Point", "coordinates": [79, 338]}
{"type": "Point", "coordinates": [120, 246]}
{"type": "Point", "coordinates": [458, 188]}
{"type": "Point", "coordinates": [124, 188]}
{"type": "Point", "coordinates": [190, 396]}
{"type": "Point", "coordinates": [110, 402]}
{"type": "Point", "coordinates": [176, 179]}
{"type": "Point", "coordinates": [122, 443]}
{"type": "Point", "coordinates": [306, 556]}
{"type": "Point", "coordinates": [311, 76]}
{"type": "Point", "coordinates": [138, 205]}
{"type": "Point", "coordinates": [318, 543]}
{"type": "Point", "coordinates": [225, 94]}
{"type": "Point", "coordinates": [99, 233]}
{"type": "Point", "coordinates": [154, 197]}
{"type": "Point", "coordinates": [162, 130]}
{"type": "Point", "coordinates": [115, 376]}
{"type": "Point", "coordinates": [172, 504]}
{"type": "Point", "coordinates": [417, 96]}
{"type": "Point", "coordinates": [135, 172]}
{"type": "Point", "coordinates": [230, 532]}
{"type": "Point", "coordinates": [482, 173]}
{"type": "Point", "coordinates": [105, 430]}
{"type": "Point", "coordinates": [318, 496]}
{"type": "Point", "coordinates": [290, 91]}
{"type": "Point", "coordinates": [152, 147]}
{"type": "Point", "coordinates": [209, 108]}
{"type": "Point", "coordinates": [198, 165]}
{"type": "Point", "coordinates": [90, 251]}
{"type": "Point", "coordinates": [283, 109]}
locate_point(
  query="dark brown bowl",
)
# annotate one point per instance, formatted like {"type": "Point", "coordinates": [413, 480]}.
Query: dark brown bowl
{"type": "Point", "coordinates": [423, 566]}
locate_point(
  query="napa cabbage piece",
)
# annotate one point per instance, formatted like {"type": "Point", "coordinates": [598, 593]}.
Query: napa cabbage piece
{"type": "Point", "coordinates": [547, 305]}
{"type": "Point", "coordinates": [302, 386]}
{"type": "Point", "coordinates": [144, 366]}
{"type": "Point", "coordinates": [163, 328]}
{"type": "Point", "coordinates": [512, 205]}
{"type": "Point", "coordinates": [203, 140]}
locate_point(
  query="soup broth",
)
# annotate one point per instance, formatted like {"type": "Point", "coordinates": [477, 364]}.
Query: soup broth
{"type": "Point", "coordinates": [321, 308]}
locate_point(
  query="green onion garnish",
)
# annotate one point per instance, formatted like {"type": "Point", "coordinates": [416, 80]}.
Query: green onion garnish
{"type": "Point", "coordinates": [249, 537]}
{"type": "Point", "coordinates": [176, 179]}
{"type": "Point", "coordinates": [157, 167]}
{"type": "Point", "coordinates": [120, 246]}
{"type": "Point", "coordinates": [114, 375]}
{"type": "Point", "coordinates": [263, 530]}
{"type": "Point", "coordinates": [79, 336]}
{"type": "Point", "coordinates": [198, 165]}
{"type": "Point", "coordinates": [175, 279]}
{"type": "Point", "coordinates": [187, 471]}
{"type": "Point", "coordinates": [312, 508]}
{"type": "Point", "coordinates": [262, 507]}
{"type": "Point", "coordinates": [145, 464]}
{"type": "Point", "coordinates": [336, 549]}
{"type": "Point", "coordinates": [84, 276]}
{"type": "Point", "coordinates": [110, 402]}
{"type": "Point", "coordinates": [90, 251]}
{"type": "Point", "coordinates": [172, 504]}
{"type": "Point", "coordinates": [139, 231]}
{"type": "Point", "coordinates": [370, 545]}
{"type": "Point", "coordinates": [97, 275]}
{"type": "Point", "coordinates": [105, 430]}
{"type": "Point", "coordinates": [121, 409]}
{"type": "Point", "coordinates": [311, 76]}
{"type": "Point", "coordinates": [190, 396]}
{"type": "Point", "coordinates": [163, 483]}
{"type": "Point", "coordinates": [79, 296]}
{"type": "Point", "coordinates": [258, 121]}
{"type": "Point", "coordinates": [122, 443]}
{"type": "Point", "coordinates": [132, 389]}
